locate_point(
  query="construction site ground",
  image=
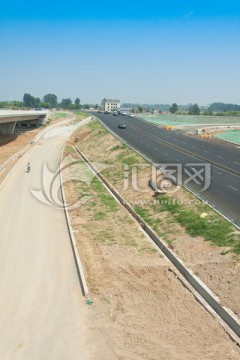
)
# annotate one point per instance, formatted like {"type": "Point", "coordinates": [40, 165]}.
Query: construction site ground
{"type": "Point", "coordinates": [137, 307]}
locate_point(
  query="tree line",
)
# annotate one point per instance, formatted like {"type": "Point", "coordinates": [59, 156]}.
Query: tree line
{"type": "Point", "coordinates": [49, 101]}
{"type": "Point", "coordinates": [216, 108]}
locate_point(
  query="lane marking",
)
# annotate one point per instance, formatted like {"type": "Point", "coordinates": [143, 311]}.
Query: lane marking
{"type": "Point", "coordinates": [220, 157]}
{"type": "Point", "coordinates": [236, 163]}
{"type": "Point", "coordinates": [232, 187]}
{"type": "Point", "coordinates": [187, 152]}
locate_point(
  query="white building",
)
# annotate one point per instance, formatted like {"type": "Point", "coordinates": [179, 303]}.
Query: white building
{"type": "Point", "coordinates": [110, 104]}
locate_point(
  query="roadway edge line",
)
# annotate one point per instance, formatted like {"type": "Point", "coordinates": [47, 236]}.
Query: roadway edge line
{"type": "Point", "coordinates": [77, 259]}
{"type": "Point", "coordinates": [217, 140]}
{"type": "Point", "coordinates": [226, 318]}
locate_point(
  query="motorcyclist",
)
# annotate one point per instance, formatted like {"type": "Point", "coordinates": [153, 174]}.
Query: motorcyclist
{"type": "Point", "coordinates": [28, 167]}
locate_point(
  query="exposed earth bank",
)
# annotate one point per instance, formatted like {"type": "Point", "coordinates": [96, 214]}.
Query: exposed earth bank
{"type": "Point", "coordinates": [138, 307]}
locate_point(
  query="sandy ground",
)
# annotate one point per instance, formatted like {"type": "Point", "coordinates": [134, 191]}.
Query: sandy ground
{"type": "Point", "coordinates": [140, 309]}
{"type": "Point", "coordinates": [220, 272]}
{"type": "Point", "coordinates": [42, 311]}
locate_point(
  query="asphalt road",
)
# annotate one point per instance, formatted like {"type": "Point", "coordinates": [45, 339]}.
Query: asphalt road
{"type": "Point", "coordinates": [42, 311]}
{"type": "Point", "coordinates": [173, 147]}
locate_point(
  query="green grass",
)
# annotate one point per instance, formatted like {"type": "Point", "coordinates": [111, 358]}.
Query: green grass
{"type": "Point", "coordinates": [58, 115]}
{"type": "Point", "coordinates": [106, 199]}
{"type": "Point", "coordinates": [114, 148]}
{"type": "Point", "coordinates": [99, 215]}
{"type": "Point", "coordinates": [147, 250]}
{"type": "Point", "coordinates": [80, 116]}
{"type": "Point", "coordinates": [69, 149]}
{"type": "Point", "coordinates": [97, 128]}
{"type": "Point", "coordinates": [145, 215]}
{"type": "Point", "coordinates": [212, 228]}
{"type": "Point", "coordinates": [105, 237]}
{"type": "Point", "coordinates": [130, 160]}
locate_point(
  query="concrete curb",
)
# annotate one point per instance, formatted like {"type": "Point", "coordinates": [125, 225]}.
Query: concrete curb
{"type": "Point", "coordinates": [229, 320]}
{"type": "Point", "coordinates": [19, 158]}
{"type": "Point", "coordinates": [77, 260]}
{"type": "Point", "coordinates": [15, 156]}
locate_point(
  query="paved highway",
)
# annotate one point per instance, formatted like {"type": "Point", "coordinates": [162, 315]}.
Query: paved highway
{"type": "Point", "coordinates": [42, 311]}
{"type": "Point", "coordinates": [173, 147]}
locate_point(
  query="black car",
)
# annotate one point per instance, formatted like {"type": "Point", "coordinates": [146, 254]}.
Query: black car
{"type": "Point", "coordinates": [122, 126]}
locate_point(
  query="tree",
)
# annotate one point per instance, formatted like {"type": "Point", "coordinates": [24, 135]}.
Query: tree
{"type": "Point", "coordinates": [51, 99]}
{"type": "Point", "coordinates": [174, 108]}
{"type": "Point", "coordinates": [66, 103]}
{"type": "Point", "coordinates": [194, 110]}
{"type": "Point", "coordinates": [29, 100]}
{"type": "Point", "coordinates": [45, 105]}
{"type": "Point", "coordinates": [77, 101]}
{"type": "Point", "coordinates": [220, 107]}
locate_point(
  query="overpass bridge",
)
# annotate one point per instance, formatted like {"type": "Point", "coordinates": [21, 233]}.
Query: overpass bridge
{"type": "Point", "coordinates": [11, 119]}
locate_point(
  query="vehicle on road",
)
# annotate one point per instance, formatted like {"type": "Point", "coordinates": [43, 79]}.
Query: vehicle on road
{"type": "Point", "coordinates": [115, 113]}
{"type": "Point", "coordinates": [122, 126]}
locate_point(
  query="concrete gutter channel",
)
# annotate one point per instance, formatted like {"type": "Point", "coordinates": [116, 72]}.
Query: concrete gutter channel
{"type": "Point", "coordinates": [208, 299]}
{"type": "Point", "coordinates": [77, 260]}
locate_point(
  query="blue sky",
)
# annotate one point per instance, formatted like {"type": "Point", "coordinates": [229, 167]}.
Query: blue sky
{"type": "Point", "coordinates": [146, 52]}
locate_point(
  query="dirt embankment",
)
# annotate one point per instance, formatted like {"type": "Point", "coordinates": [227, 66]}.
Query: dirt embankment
{"type": "Point", "coordinates": [10, 144]}
{"type": "Point", "coordinates": [140, 309]}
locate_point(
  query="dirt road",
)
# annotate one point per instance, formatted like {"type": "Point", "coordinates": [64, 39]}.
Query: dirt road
{"type": "Point", "coordinates": [42, 311]}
